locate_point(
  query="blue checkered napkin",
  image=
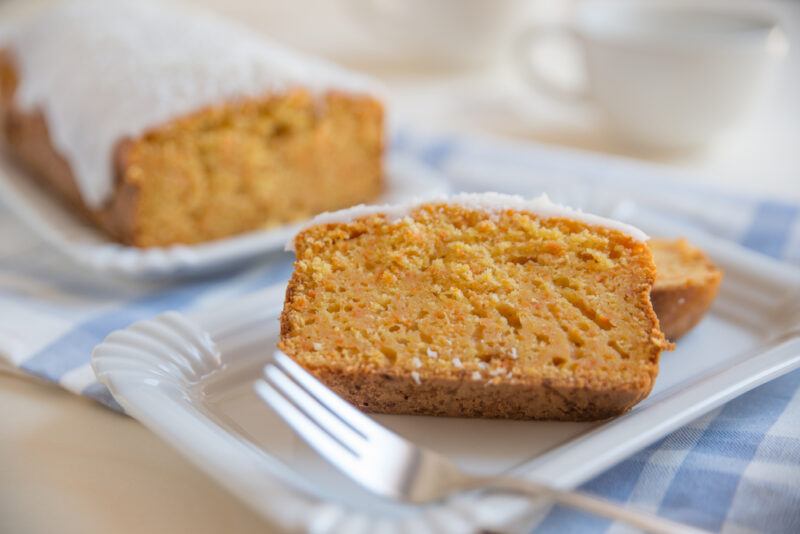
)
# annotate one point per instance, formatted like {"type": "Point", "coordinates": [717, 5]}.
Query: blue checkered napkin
{"type": "Point", "coordinates": [736, 470]}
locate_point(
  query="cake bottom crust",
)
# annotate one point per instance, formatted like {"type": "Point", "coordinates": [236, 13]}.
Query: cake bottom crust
{"type": "Point", "coordinates": [391, 394]}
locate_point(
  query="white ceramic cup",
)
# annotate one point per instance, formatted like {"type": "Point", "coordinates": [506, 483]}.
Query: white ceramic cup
{"type": "Point", "coordinates": [665, 75]}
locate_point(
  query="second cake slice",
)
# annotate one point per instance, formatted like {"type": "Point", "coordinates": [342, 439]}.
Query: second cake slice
{"type": "Point", "coordinates": [478, 305]}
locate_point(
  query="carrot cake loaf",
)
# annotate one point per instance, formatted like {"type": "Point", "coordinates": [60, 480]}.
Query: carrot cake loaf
{"type": "Point", "coordinates": [166, 126]}
{"type": "Point", "coordinates": [475, 305]}
{"type": "Point", "coordinates": [686, 284]}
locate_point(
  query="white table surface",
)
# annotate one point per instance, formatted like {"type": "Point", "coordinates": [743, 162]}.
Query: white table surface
{"type": "Point", "coordinates": [70, 466]}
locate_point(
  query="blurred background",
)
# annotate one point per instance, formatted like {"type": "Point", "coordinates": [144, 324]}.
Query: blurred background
{"type": "Point", "coordinates": [519, 68]}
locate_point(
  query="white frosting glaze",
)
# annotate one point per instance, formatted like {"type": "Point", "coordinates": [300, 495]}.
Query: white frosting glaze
{"type": "Point", "coordinates": [101, 71]}
{"type": "Point", "coordinates": [541, 206]}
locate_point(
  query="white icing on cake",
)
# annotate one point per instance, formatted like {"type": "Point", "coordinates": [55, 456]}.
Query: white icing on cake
{"type": "Point", "coordinates": [101, 71]}
{"type": "Point", "coordinates": [541, 206]}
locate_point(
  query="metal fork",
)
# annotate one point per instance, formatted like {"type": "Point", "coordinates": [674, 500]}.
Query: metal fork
{"type": "Point", "coordinates": [392, 466]}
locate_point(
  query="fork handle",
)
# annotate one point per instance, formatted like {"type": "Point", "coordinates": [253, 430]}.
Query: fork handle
{"type": "Point", "coordinates": [643, 520]}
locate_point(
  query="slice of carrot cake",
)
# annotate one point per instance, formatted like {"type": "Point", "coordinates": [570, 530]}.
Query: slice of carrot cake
{"type": "Point", "coordinates": [476, 305]}
{"type": "Point", "coordinates": [686, 284]}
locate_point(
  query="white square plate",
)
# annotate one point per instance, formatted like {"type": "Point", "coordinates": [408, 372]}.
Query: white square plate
{"type": "Point", "coordinates": [88, 247]}
{"type": "Point", "coordinates": [202, 403]}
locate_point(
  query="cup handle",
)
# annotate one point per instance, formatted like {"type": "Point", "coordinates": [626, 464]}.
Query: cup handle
{"type": "Point", "coordinates": [531, 71]}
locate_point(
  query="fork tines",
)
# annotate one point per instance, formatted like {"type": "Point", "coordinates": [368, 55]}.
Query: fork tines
{"type": "Point", "coordinates": [330, 424]}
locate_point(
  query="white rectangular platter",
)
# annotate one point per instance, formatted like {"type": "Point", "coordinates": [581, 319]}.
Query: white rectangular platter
{"type": "Point", "coordinates": [210, 414]}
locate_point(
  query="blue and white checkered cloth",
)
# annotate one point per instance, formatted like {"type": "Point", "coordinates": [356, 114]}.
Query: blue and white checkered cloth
{"type": "Point", "coordinates": [736, 470]}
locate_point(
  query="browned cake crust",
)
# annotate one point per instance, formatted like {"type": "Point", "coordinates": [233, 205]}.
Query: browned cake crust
{"type": "Point", "coordinates": [391, 393]}
{"type": "Point", "coordinates": [221, 171]}
{"type": "Point", "coordinates": [379, 319]}
{"type": "Point", "coordinates": [26, 137]}
{"type": "Point", "coordinates": [686, 284]}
